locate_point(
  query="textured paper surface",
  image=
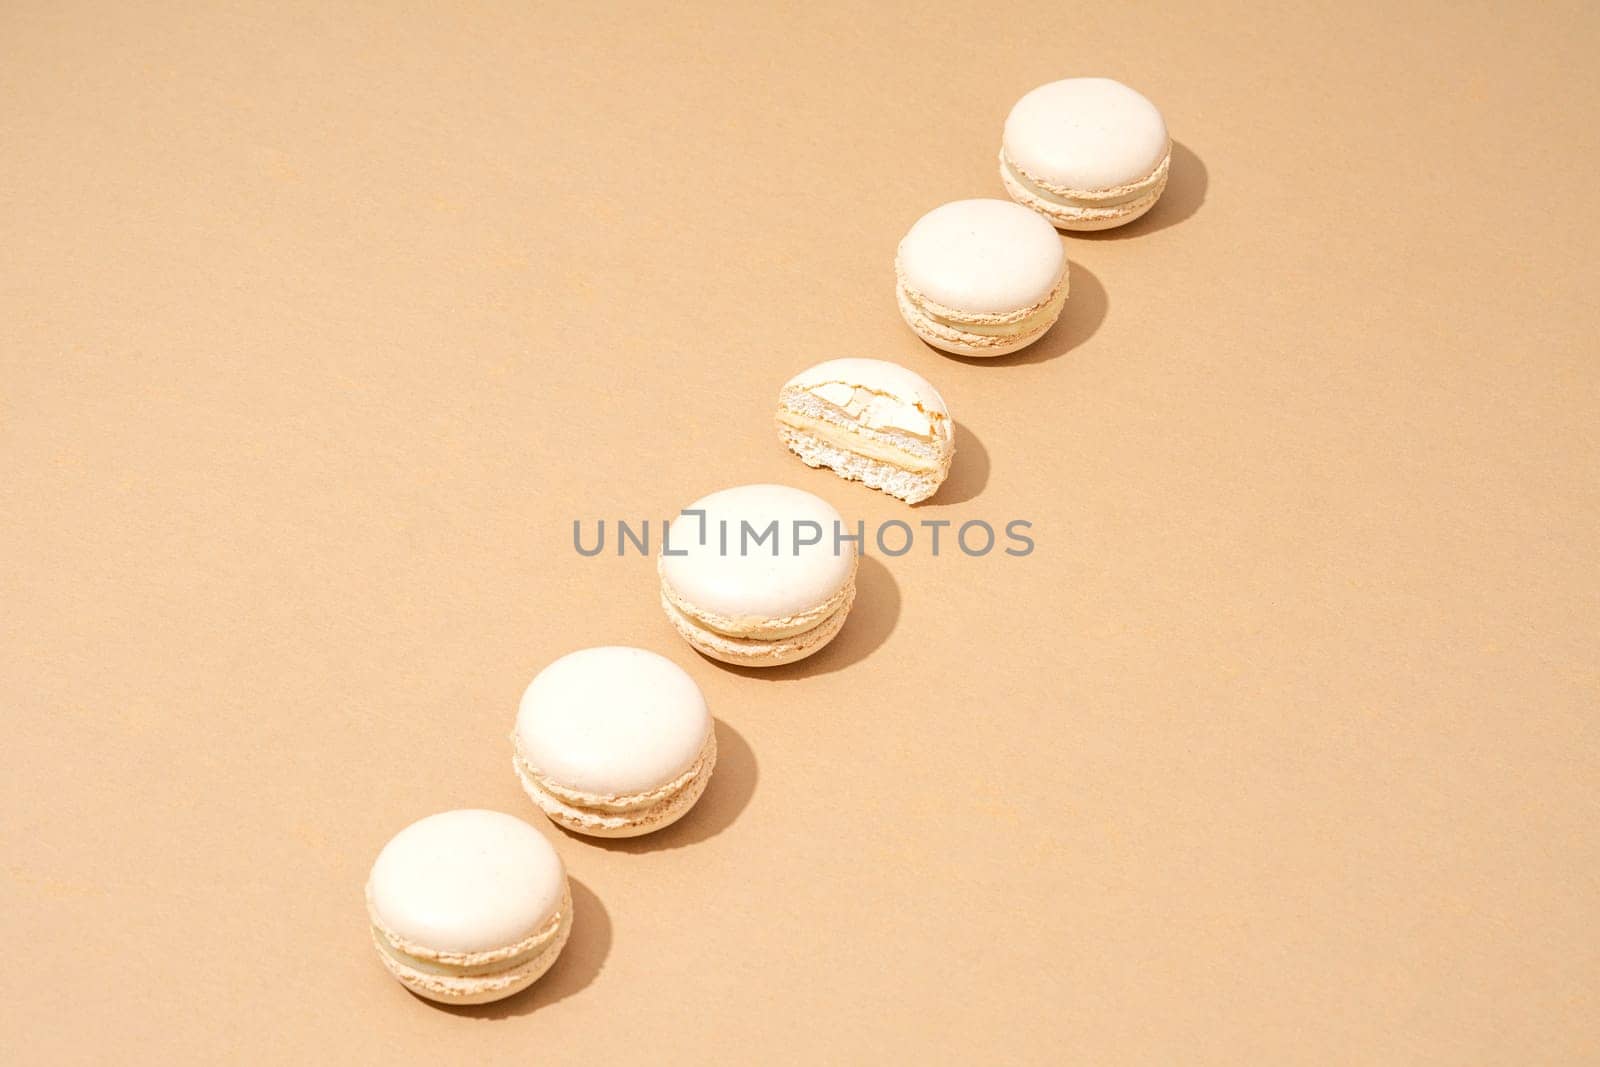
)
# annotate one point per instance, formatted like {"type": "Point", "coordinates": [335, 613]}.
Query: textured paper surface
{"type": "Point", "coordinates": [320, 323]}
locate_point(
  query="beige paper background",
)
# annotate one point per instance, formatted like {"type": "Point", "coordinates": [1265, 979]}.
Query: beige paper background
{"type": "Point", "coordinates": [320, 323]}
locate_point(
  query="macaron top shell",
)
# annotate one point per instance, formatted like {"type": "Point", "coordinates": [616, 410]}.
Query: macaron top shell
{"type": "Point", "coordinates": [1086, 134]}
{"type": "Point", "coordinates": [466, 881]}
{"type": "Point", "coordinates": [987, 257]}
{"type": "Point", "coordinates": [725, 571]}
{"type": "Point", "coordinates": [878, 395]}
{"type": "Point", "coordinates": [876, 375]}
{"type": "Point", "coordinates": [613, 721]}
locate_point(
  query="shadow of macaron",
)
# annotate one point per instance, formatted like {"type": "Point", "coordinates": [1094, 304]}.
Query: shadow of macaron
{"type": "Point", "coordinates": [580, 963]}
{"type": "Point", "coordinates": [733, 783]}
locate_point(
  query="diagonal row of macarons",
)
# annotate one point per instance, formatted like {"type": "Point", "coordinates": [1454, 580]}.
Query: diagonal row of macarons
{"type": "Point", "coordinates": [471, 906]}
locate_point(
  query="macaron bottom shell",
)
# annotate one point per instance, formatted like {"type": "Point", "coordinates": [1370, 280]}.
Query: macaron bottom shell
{"type": "Point", "coordinates": [757, 652]}
{"type": "Point", "coordinates": [598, 822]}
{"type": "Point", "coordinates": [948, 336]}
{"type": "Point", "coordinates": [1086, 211]}
{"type": "Point", "coordinates": [463, 985]}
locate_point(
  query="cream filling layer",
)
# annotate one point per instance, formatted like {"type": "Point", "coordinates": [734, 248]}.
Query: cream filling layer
{"type": "Point", "coordinates": [715, 642]}
{"type": "Point", "coordinates": [622, 804]}
{"type": "Point", "coordinates": [443, 970]}
{"type": "Point", "coordinates": [859, 443]}
{"type": "Point", "coordinates": [473, 964]}
{"type": "Point", "coordinates": [1037, 322]}
{"type": "Point", "coordinates": [1089, 199]}
{"type": "Point", "coordinates": [755, 627]}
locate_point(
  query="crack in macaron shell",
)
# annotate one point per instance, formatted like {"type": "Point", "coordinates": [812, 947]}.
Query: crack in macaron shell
{"type": "Point", "coordinates": [871, 421]}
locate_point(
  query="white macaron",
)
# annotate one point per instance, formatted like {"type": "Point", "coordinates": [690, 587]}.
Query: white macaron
{"type": "Point", "coordinates": [758, 575]}
{"type": "Point", "coordinates": [981, 277]}
{"type": "Point", "coordinates": [468, 906]}
{"type": "Point", "coordinates": [869, 421]}
{"type": "Point", "coordinates": [1086, 153]}
{"type": "Point", "coordinates": [614, 742]}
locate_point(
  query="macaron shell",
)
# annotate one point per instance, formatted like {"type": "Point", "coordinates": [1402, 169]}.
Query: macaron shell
{"type": "Point", "coordinates": [1086, 215]}
{"type": "Point", "coordinates": [767, 581]}
{"type": "Point", "coordinates": [878, 375]}
{"type": "Point", "coordinates": [759, 627]}
{"type": "Point", "coordinates": [612, 720]}
{"type": "Point", "coordinates": [745, 652]}
{"type": "Point", "coordinates": [466, 881]}
{"type": "Point", "coordinates": [870, 421]}
{"type": "Point", "coordinates": [633, 823]}
{"type": "Point", "coordinates": [1086, 134]}
{"type": "Point", "coordinates": [949, 337]}
{"type": "Point", "coordinates": [983, 257]}
{"type": "Point", "coordinates": [479, 988]}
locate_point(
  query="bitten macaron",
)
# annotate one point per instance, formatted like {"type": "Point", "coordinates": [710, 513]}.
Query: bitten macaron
{"type": "Point", "coordinates": [468, 906]}
{"type": "Point", "coordinates": [981, 277]}
{"type": "Point", "coordinates": [758, 575]}
{"type": "Point", "coordinates": [614, 742]}
{"type": "Point", "coordinates": [1086, 153]}
{"type": "Point", "coordinates": [870, 421]}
